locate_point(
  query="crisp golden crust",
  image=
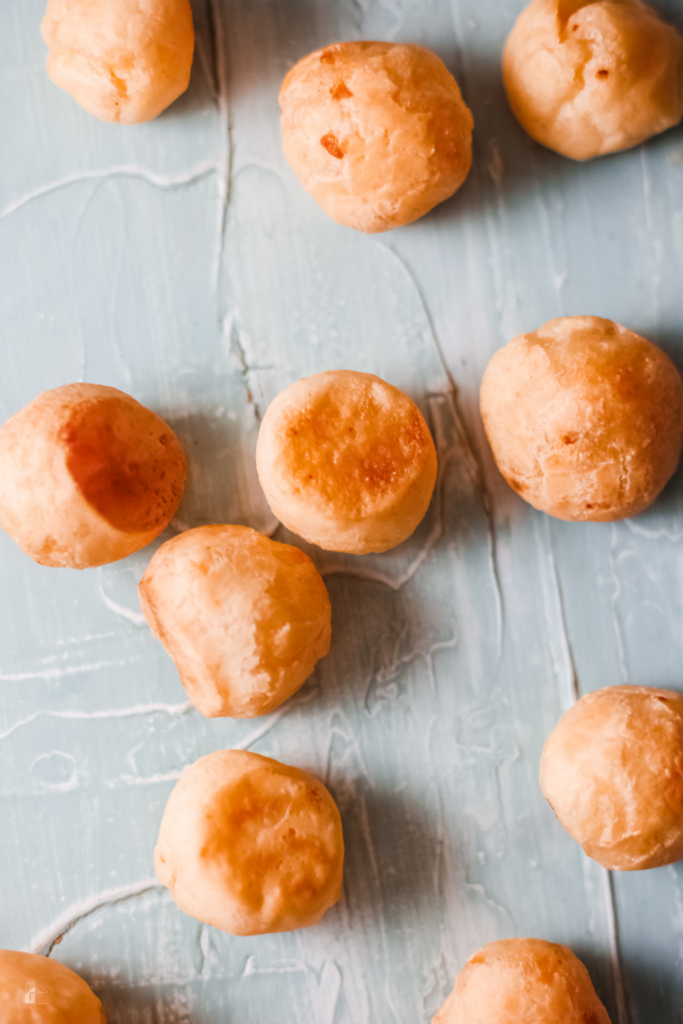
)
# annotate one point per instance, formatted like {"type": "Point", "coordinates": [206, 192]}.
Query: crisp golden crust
{"type": "Point", "coordinates": [250, 845]}
{"type": "Point", "coordinates": [123, 62]}
{"type": "Point", "coordinates": [585, 418]}
{"type": "Point", "coordinates": [523, 981]}
{"type": "Point", "coordinates": [89, 476]}
{"type": "Point", "coordinates": [346, 461]}
{"type": "Point", "coordinates": [613, 773]}
{"type": "Point", "coordinates": [590, 77]}
{"type": "Point", "coordinates": [244, 618]}
{"type": "Point", "coordinates": [377, 133]}
{"type": "Point", "coordinates": [61, 996]}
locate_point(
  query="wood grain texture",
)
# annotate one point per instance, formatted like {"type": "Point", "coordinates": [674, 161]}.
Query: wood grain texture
{"type": "Point", "coordinates": [181, 261]}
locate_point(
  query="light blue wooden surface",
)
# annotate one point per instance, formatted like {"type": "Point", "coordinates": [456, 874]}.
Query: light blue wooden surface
{"type": "Point", "coordinates": [180, 261]}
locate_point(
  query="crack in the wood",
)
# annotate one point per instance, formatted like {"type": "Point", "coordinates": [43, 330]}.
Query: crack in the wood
{"type": "Point", "coordinates": [472, 456]}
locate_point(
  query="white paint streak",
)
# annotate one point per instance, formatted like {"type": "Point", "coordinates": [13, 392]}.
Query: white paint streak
{"type": "Point", "coordinates": [59, 673]}
{"type": "Point", "coordinates": [160, 181]}
{"type": "Point", "coordinates": [44, 941]}
{"type": "Point", "coordinates": [137, 618]}
{"type": "Point", "coordinates": [138, 709]}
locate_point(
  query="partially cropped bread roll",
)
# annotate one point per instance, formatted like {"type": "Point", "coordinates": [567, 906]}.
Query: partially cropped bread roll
{"type": "Point", "coordinates": [584, 417]}
{"type": "Point", "coordinates": [88, 476]}
{"type": "Point", "coordinates": [523, 981]}
{"type": "Point", "coordinates": [590, 77]}
{"type": "Point", "coordinates": [121, 60]}
{"type": "Point", "coordinates": [378, 133]}
{"type": "Point", "coordinates": [346, 461]}
{"type": "Point", "coordinates": [612, 771]}
{"type": "Point", "coordinates": [37, 990]}
{"type": "Point", "coordinates": [250, 845]}
{"type": "Point", "coordinates": [244, 618]}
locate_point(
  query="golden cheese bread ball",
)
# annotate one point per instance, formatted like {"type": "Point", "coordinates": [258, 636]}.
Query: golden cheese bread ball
{"type": "Point", "coordinates": [37, 990]}
{"type": "Point", "coordinates": [523, 981]}
{"type": "Point", "coordinates": [245, 619]}
{"type": "Point", "coordinates": [88, 476]}
{"type": "Point", "coordinates": [377, 133]}
{"type": "Point", "coordinates": [346, 461]}
{"type": "Point", "coordinates": [590, 77]}
{"type": "Point", "coordinates": [613, 773]}
{"type": "Point", "coordinates": [123, 61]}
{"type": "Point", "coordinates": [250, 846]}
{"type": "Point", "coordinates": [585, 418]}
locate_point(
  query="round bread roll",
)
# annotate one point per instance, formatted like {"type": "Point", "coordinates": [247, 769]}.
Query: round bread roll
{"type": "Point", "coordinates": [585, 418]}
{"type": "Point", "coordinates": [37, 990]}
{"type": "Point", "coordinates": [377, 133]}
{"type": "Point", "coordinates": [88, 476]}
{"type": "Point", "coordinates": [523, 981]}
{"type": "Point", "coordinates": [590, 77]}
{"type": "Point", "coordinates": [346, 461]}
{"type": "Point", "coordinates": [245, 619]}
{"type": "Point", "coordinates": [124, 61]}
{"type": "Point", "coordinates": [250, 846]}
{"type": "Point", "coordinates": [613, 773]}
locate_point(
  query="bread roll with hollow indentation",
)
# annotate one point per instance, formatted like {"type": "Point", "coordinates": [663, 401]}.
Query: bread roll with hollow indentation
{"type": "Point", "coordinates": [88, 476]}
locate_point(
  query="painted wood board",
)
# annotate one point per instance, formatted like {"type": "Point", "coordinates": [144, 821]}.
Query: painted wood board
{"type": "Point", "coordinates": [181, 261]}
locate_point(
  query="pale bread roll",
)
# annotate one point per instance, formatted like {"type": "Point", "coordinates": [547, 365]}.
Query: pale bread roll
{"type": "Point", "coordinates": [250, 846]}
{"type": "Point", "coordinates": [584, 417]}
{"type": "Point", "coordinates": [523, 981]}
{"type": "Point", "coordinates": [37, 990]}
{"type": "Point", "coordinates": [122, 60]}
{"type": "Point", "coordinates": [346, 461]}
{"type": "Point", "coordinates": [244, 618]}
{"type": "Point", "coordinates": [612, 771]}
{"type": "Point", "coordinates": [88, 476]}
{"type": "Point", "coordinates": [377, 133]}
{"type": "Point", "coordinates": [590, 77]}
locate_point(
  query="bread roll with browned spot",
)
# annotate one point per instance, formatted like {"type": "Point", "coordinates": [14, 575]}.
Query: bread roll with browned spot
{"type": "Point", "coordinates": [38, 990]}
{"type": "Point", "coordinates": [244, 618]}
{"type": "Point", "coordinates": [123, 61]}
{"type": "Point", "coordinates": [584, 417]}
{"type": "Point", "coordinates": [377, 133]}
{"type": "Point", "coordinates": [612, 771]}
{"type": "Point", "coordinates": [590, 77]}
{"type": "Point", "coordinates": [523, 981]}
{"type": "Point", "coordinates": [346, 461]}
{"type": "Point", "coordinates": [250, 845]}
{"type": "Point", "coordinates": [88, 476]}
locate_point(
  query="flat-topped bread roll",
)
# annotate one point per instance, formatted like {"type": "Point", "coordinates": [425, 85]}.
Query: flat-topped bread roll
{"type": "Point", "coordinates": [88, 476]}
{"type": "Point", "coordinates": [377, 133]}
{"type": "Point", "coordinates": [346, 461]}
{"type": "Point", "coordinates": [123, 61]}
{"type": "Point", "coordinates": [584, 417]}
{"type": "Point", "coordinates": [250, 846]}
{"type": "Point", "coordinates": [37, 990]}
{"type": "Point", "coordinates": [523, 981]}
{"type": "Point", "coordinates": [245, 619]}
{"type": "Point", "coordinates": [612, 771]}
{"type": "Point", "coordinates": [590, 77]}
